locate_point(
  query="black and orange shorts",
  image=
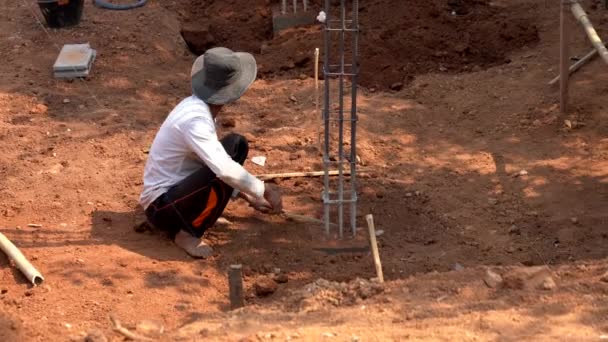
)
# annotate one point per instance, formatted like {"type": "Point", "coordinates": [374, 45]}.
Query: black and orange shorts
{"type": "Point", "coordinates": [195, 203]}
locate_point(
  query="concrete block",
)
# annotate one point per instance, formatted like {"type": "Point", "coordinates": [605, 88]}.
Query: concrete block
{"type": "Point", "coordinates": [74, 60]}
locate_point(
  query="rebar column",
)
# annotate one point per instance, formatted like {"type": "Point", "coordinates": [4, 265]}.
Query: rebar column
{"type": "Point", "coordinates": [337, 67]}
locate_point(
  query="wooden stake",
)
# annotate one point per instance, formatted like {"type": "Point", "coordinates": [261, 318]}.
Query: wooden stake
{"type": "Point", "coordinates": [317, 80]}
{"type": "Point", "coordinates": [235, 282]}
{"type": "Point", "coordinates": [319, 132]}
{"type": "Point", "coordinates": [374, 245]}
{"type": "Point", "coordinates": [564, 57]}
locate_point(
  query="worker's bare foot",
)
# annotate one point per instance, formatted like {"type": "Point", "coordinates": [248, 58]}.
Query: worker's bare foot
{"type": "Point", "coordinates": [194, 246]}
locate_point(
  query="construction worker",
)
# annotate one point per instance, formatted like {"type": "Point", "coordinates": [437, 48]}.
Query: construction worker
{"type": "Point", "coordinates": [190, 175]}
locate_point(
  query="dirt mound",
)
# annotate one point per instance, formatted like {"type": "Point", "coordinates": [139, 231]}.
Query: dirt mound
{"type": "Point", "coordinates": [322, 293]}
{"type": "Point", "coordinates": [399, 39]}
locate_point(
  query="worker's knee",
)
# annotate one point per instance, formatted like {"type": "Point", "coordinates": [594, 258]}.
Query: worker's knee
{"type": "Point", "coordinates": [236, 146]}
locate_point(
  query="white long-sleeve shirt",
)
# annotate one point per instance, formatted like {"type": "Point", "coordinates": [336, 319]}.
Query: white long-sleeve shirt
{"type": "Point", "coordinates": [185, 140]}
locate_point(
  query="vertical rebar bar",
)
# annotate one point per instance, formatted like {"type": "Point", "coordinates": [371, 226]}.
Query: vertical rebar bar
{"type": "Point", "coordinates": [326, 106]}
{"type": "Point", "coordinates": [353, 116]}
{"type": "Point", "coordinates": [341, 122]}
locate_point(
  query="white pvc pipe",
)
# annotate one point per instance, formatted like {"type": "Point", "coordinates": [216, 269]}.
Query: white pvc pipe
{"type": "Point", "coordinates": [30, 272]}
{"type": "Point", "coordinates": [284, 7]}
{"type": "Point", "coordinates": [305, 5]}
{"type": "Point", "coordinates": [595, 39]}
{"type": "Point", "coordinates": [295, 6]}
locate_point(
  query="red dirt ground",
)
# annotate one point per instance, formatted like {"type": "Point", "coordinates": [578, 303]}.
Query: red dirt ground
{"type": "Point", "coordinates": [446, 188]}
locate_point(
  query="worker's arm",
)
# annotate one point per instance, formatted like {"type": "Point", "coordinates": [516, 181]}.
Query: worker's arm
{"type": "Point", "coordinates": [202, 139]}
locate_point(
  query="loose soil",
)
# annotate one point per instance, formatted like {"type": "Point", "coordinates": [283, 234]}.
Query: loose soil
{"type": "Point", "coordinates": [469, 170]}
{"type": "Point", "coordinates": [398, 40]}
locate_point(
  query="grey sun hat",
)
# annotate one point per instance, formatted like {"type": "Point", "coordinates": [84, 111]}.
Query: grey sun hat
{"type": "Point", "coordinates": [222, 76]}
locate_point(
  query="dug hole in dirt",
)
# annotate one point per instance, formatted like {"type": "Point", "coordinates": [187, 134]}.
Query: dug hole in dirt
{"type": "Point", "coordinates": [398, 39]}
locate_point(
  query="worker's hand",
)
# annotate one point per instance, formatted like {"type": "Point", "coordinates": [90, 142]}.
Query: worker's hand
{"type": "Point", "coordinates": [273, 196]}
{"type": "Point", "coordinates": [259, 204]}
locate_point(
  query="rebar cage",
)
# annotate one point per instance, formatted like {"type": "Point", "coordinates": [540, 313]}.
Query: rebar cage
{"type": "Point", "coordinates": [339, 114]}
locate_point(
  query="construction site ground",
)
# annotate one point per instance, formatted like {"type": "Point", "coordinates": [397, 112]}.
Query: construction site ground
{"type": "Point", "coordinates": [471, 167]}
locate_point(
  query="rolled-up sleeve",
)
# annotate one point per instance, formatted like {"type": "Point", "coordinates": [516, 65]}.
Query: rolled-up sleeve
{"type": "Point", "coordinates": [202, 138]}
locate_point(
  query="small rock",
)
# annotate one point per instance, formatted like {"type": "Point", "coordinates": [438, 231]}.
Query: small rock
{"type": "Point", "coordinates": [293, 99]}
{"type": "Point", "coordinates": [574, 220]}
{"type": "Point", "coordinates": [66, 101]}
{"type": "Point", "coordinates": [28, 293]}
{"type": "Point", "coordinates": [39, 109]}
{"type": "Point", "coordinates": [68, 325]}
{"type": "Point", "coordinates": [492, 279]}
{"type": "Point", "coordinates": [379, 232]}
{"type": "Point", "coordinates": [265, 286]}
{"type": "Point", "coordinates": [548, 284]}
{"type": "Point", "coordinates": [329, 334]}
{"type": "Point", "coordinates": [397, 86]}
{"type": "Point", "coordinates": [95, 336]}
{"type": "Point", "coordinates": [229, 122]}
{"type": "Point", "coordinates": [442, 68]}
{"type": "Point", "coordinates": [528, 278]}
{"type": "Point", "coordinates": [523, 173]}
{"type": "Point", "coordinates": [457, 267]}
{"type": "Point", "coordinates": [81, 106]}
{"type": "Point", "coordinates": [514, 230]}
{"type": "Point", "coordinates": [281, 278]}
{"type": "Point", "coordinates": [150, 328]}
{"type": "Point", "coordinates": [492, 201]}
{"type": "Point", "coordinates": [603, 278]}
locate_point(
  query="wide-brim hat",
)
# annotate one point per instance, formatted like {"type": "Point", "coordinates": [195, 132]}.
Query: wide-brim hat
{"type": "Point", "coordinates": [222, 76]}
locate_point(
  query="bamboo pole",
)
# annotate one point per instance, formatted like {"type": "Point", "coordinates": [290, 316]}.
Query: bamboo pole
{"type": "Point", "coordinates": [30, 272]}
{"type": "Point", "coordinates": [564, 57]}
{"type": "Point", "coordinates": [595, 39]}
{"type": "Point", "coordinates": [317, 80]}
{"type": "Point", "coordinates": [574, 67]}
{"type": "Point", "coordinates": [235, 283]}
{"type": "Point", "coordinates": [374, 245]}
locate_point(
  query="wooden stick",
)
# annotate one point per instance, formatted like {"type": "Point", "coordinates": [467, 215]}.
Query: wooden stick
{"type": "Point", "coordinates": [564, 57]}
{"type": "Point", "coordinates": [574, 67]}
{"type": "Point", "coordinates": [126, 332]}
{"type": "Point", "coordinates": [374, 245]}
{"type": "Point", "coordinates": [269, 176]}
{"type": "Point", "coordinates": [317, 112]}
{"type": "Point", "coordinates": [303, 218]}
{"type": "Point", "coordinates": [235, 283]}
